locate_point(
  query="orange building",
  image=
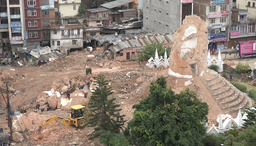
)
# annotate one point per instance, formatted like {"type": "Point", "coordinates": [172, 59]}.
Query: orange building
{"type": "Point", "coordinates": [135, 4]}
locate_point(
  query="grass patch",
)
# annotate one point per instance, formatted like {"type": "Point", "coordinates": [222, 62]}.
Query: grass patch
{"type": "Point", "coordinates": [239, 86]}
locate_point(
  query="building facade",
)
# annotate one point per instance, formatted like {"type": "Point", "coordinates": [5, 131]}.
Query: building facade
{"type": "Point", "coordinates": [165, 16]}
{"type": "Point", "coordinates": [216, 14]}
{"type": "Point", "coordinates": [12, 30]}
{"type": "Point", "coordinates": [68, 8]}
{"type": "Point", "coordinates": [66, 36]}
{"type": "Point", "coordinates": [243, 22]}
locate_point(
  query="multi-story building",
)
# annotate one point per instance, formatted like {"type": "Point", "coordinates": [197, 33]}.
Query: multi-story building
{"type": "Point", "coordinates": [68, 36]}
{"type": "Point", "coordinates": [47, 18]}
{"type": "Point", "coordinates": [68, 8]}
{"type": "Point", "coordinates": [165, 16]}
{"type": "Point", "coordinates": [11, 24]}
{"type": "Point", "coordinates": [39, 14]}
{"type": "Point", "coordinates": [33, 23]}
{"type": "Point", "coordinates": [243, 26]}
{"type": "Point", "coordinates": [216, 14]}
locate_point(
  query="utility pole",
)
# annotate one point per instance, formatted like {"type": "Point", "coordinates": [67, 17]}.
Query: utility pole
{"type": "Point", "coordinates": [9, 113]}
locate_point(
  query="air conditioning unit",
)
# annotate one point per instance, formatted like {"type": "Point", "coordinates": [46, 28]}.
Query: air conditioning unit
{"type": "Point", "coordinates": [217, 31]}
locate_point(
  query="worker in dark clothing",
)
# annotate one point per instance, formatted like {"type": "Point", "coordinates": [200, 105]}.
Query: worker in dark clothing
{"type": "Point", "coordinates": [85, 95]}
{"type": "Point", "coordinates": [68, 94]}
{"type": "Point", "coordinates": [117, 116]}
{"type": "Point", "coordinates": [88, 84]}
{"type": "Point", "coordinates": [42, 110]}
{"type": "Point", "coordinates": [81, 87]}
{"type": "Point", "coordinates": [231, 77]}
{"type": "Point", "coordinates": [88, 70]}
{"type": "Point", "coordinates": [37, 106]}
{"type": "Point", "coordinates": [48, 107]}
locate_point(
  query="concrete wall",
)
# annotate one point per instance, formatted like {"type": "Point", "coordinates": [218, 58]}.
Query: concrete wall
{"type": "Point", "coordinates": [161, 16]}
{"type": "Point", "coordinates": [66, 7]}
{"type": "Point", "coordinates": [94, 23]}
{"type": "Point", "coordinates": [66, 41]}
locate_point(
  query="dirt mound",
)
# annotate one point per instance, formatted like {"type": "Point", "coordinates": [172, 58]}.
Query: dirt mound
{"type": "Point", "coordinates": [229, 62]}
{"type": "Point", "coordinates": [21, 123]}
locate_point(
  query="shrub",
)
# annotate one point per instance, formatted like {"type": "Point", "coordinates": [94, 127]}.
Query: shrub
{"type": "Point", "coordinates": [214, 67]}
{"type": "Point", "coordinates": [252, 94]}
{"type": "Point", "coordinates": [242, 68]}
{"type": "Point", "coordinates": [239, 86]}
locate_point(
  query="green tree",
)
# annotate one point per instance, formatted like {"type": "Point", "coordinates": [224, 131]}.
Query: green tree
{"type": "Point", "coordinates": [150, 49]}
{"type": "Point", "coordinates": [104, 109]}
{"type": "Point", "coordinates": [244, 138]}
{"type": "Point", "coordinates": [110, 139]}
{"type": "Point", "coordinates": [251, 117]}
{"type": "Point", "coordinates": [165, 118]}
{"type": "Point", "coordinates": [242, 68]}
{"type": "Point", "coordinates": [213, 140]}
{"type": "Point", "coordinates": [81, 9]}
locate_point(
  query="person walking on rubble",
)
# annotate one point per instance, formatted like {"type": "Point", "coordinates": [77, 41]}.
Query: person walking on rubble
{"type": "Point", "coordinates": [37, 106]}
{"type": "Point", "coordinates": [88, 70]}
{"type": "Point", "coordinates": [68, 94]}
{"type": "Point", "coordinates": [230, 77]}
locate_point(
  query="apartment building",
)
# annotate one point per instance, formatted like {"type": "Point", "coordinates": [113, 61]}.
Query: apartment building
{"type": "Point", "coordinates": [68, 8]}
{"type": "Point", "coordinates": [11, 24]}
{"type": "Point", "coordinates": [216, 14]}
{"type": "Point", "coordinates": [39, 14]}
{"type": "Point", "coordinates": [68, 36]}
{"type": "Point", "coordinates": [243, 26]}
{"type": "Point", "coordinates": [165, 16]}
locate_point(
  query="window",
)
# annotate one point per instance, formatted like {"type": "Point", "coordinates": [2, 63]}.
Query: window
{"type": "Point", "coordinates": [159, 11]}
{"type": "Point", "coordinates": [167, 13]}
{"type": "Point", "coordinates": [45, 12]}
{"type": "Point", "coordinates": [58, 43]}
{"type": "Point", "coordinates": [46, 33]}
{"type": "Point", "coordinates": [223, 8]}
{"type": "Point", "coordinates": [97, 21]}
{"type": "Point", "coordinates": [46, 23]}
{"type": "Point", "coordinates": [104, 15]}
{"type": "Point", "coordinates": [74, 42]}
{"type": "Point", "coordinates": [223, 19]}
{"type": "Point", "coordinates": [249, 4]}
{"type": "Point", "coordinates": [212, 20]}
{"type": "Point", "coordinates": [55, 31]}
{"type": "Point", "coordinates": [242, 17]}
{"type": "Point", "coordinates": [32, 23]}
{"type": "Point", "coordinates": [53, 43]}
{"type": "Point", "coordinates": [65, 32]}
{"type": "Point", "coordinates": [121, 54]}
{"type": "Point", "coordinates": [92, 33]}
{"type": "Point", "coordinates": [253, 4]}
{"type": "Point", "coordinates": [212, 8]}
{"type": "Point", "coordinates": [32, 13]}
{"type": "Point", "coordinates": [32, 34]}
{"type": "Point", "coordinates": [74, 7]}
{"type": "Point", "coordinates": [31, 2]}
{"type": "Point", "coordinates": [45, 2]}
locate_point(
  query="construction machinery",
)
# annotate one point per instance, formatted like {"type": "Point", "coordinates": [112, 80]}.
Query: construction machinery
{"type": "Point", "coordinates": [76, 118]}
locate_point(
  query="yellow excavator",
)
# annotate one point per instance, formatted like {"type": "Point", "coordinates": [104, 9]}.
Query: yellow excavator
{"type": "Point", "coordinates": [76, 118]}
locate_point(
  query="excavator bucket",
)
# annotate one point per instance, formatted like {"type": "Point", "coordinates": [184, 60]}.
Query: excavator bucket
{"type": "Point", "coordinates": [39, 129]}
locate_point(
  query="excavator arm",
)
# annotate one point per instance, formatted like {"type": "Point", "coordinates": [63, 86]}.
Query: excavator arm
{"type": "Point", "coordinates": [55, 118]}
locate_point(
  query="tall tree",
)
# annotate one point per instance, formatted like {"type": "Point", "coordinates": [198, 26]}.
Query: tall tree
{"type": "Point", "coordinates": [251, 116]}
{"type": "Point", "coordinates": [165, 118]}
{"type": "Point", "coordinates": [104, 109]}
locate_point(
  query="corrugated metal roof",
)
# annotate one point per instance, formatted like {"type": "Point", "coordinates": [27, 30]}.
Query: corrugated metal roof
{"type": "Point", "coordinates": [139, 41]}
{"type": "Point", "coordinates": [97, 10]}
{"type": "Point", "coordinates": [116, 3]}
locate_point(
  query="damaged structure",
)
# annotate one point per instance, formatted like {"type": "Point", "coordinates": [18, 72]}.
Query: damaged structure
{"type": "Point", "coordinates": [189, 51]}
{"type": "Point", "coordinates": [68, 36]}
{"type": "Point", "coordinates": [129, 48]}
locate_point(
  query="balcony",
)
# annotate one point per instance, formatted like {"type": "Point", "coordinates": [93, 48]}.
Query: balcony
{"type": "Point", "coordinates": [3, 26]}
{"type": "Point", "coordinates": [3, 14]}
{"type": "Point", "coordinates": [17, 38]}
{"type": "Point", "coordinates": [16, 16]}
{"type": "Point", "coordinates": [15, 24]}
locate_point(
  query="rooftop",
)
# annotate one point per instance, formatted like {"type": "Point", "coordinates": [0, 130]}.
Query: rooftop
{"type": "Point", "coordinates": [116, 3]}
{"type": "Point", "coordinates": [140, 41]}
{"type": "Point", "coordinates": [97, 10]}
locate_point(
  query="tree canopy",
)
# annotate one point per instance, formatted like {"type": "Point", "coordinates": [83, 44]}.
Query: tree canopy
{"type": "Point", "coordinates": [103, 108]}
{"type": "Point", "coordinates": [244, 138]}
{"type": "Point", "coordinates": [165, 118]}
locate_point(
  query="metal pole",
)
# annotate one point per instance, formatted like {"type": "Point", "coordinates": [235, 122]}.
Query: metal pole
{"type": "Point", "coordinates": [9, 113]}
